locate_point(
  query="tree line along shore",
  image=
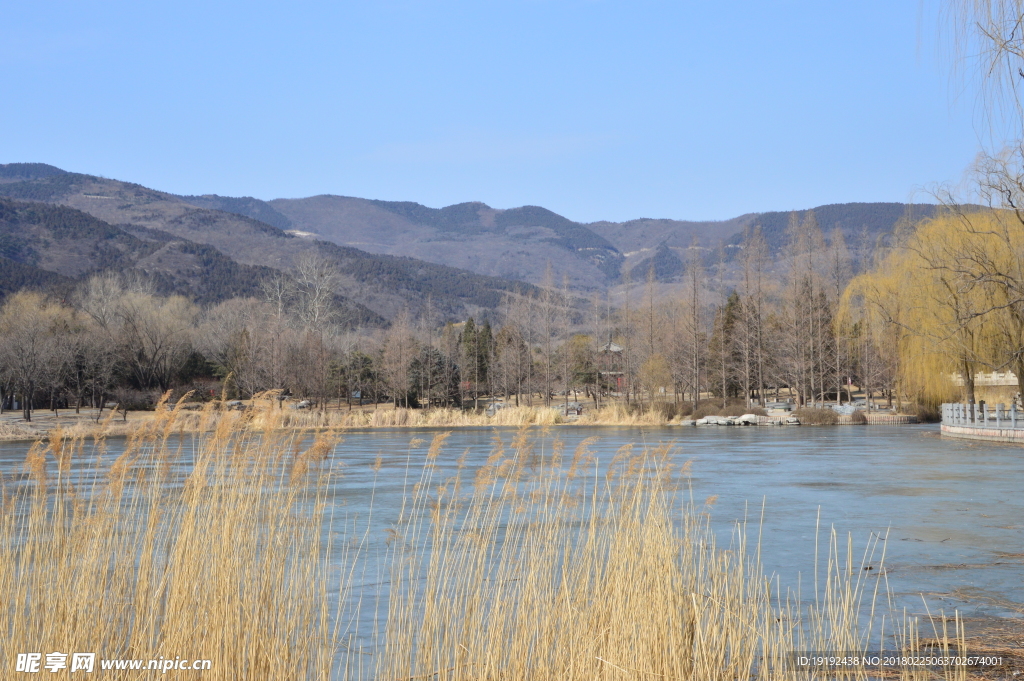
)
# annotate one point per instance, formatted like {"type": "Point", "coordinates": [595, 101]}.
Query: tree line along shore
{"type": "Point", "coordinates": [908, 332]}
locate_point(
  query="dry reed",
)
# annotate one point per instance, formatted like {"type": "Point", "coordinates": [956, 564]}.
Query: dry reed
{"type": "Point", "coordinates": [15, 431]}
{"type": "Point", "coordinates": [264, 413]}
{"type": "Point", "coordinates": [534, 566]}
{"type": "Point", "coordinates": [814, 416]}
{"type": "Point", "coordinates": [385, 416]}
{"type": "Point", "coordinates": [139, 561]}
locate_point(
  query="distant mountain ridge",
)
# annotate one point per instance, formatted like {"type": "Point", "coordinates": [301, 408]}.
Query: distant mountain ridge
{"type": "Point", "coordinates": [526, 244]}
{"type": "Point", "coordinates": [19, 172]}
{"type": "Point", "coordinates": [516, 243]}
{"type": "Point", "coordinates": [240, 250]}
{"type": "Point", "coordinates": [519, 243]}
{"type": "Point", "coordinates": [245, 205]}
{"type": "Point", "coordinates": [855, 220]}
{"type": "Point", "coordinates": [47, 246]}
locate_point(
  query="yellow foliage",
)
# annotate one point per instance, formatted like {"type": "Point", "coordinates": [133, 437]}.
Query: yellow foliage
{"type": "Point", "coordinates": [940, 302]}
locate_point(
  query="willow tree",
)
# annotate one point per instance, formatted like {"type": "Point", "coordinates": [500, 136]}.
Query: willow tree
{"type": "Point", "coordinates": [929, 305]}
{"type": "Point", "coordinates": [989, 34]}
{"type": "Point", "coordinates": [987, 257]}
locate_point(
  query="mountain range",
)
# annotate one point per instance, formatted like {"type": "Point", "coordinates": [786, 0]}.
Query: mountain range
{"type": "Point", "coordinates": [519, 243]}
{"type": "Point", "coordinates": [57, 225]}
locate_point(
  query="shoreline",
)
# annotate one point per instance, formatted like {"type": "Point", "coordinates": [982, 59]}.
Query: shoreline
{"type": "Point", "coordinates": [991, 434]}
{"type": "Point", "coordinates": [112, 424]}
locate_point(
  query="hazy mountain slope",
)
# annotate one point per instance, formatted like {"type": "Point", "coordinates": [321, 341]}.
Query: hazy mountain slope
{"type": "Point", "coordinates": [15, 276]}
{"type": "Point", "coordinates": [246, 205]}
{"type": "Point", "coordinates": [667, 240]}
{"type": "Point", "coordinates": [528, 243]}
{"type": "Point", "coordinates": [121, 203]}
{"type": "Point", "coordinates": [383, 284]}
{"type": "Point", "coordinates": [346, 221]}
{"type": "Point", "coordinates": [515, 244]}
{"type": "Point", "coordinates": [519, 243]}
{"type": "Point", "coordinates": [19, 172]}
{"type": "Point", "coordinates": [647, 233]}
{"type": "Point", "coordinates": [42, 245]}
{"type": "Point", "coordinates": [857, 221]}
{"type": "Point", "coordinates": [864, 226]}
{"type": "Point", "coordinates": [63, 240]}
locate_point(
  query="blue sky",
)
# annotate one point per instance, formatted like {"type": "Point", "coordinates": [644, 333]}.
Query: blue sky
{"type": "Point", "coordinates": [594, 109]}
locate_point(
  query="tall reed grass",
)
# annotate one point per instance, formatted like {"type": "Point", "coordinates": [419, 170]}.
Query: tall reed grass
{"type": "Point", "coordinates": [205, 538]}
{"type": "Point", "coordinates": [139, 560]}
{"type": "Point", "coordinates": [263, 412]}
{"type": "Point", "coordinates": [615, 414]}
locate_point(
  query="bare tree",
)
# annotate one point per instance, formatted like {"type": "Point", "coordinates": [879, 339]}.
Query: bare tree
{"type": "Point", "coordinates": [694, 326]}
{"type": "Point", "coordinates": [316, 278]}
{"type": "Point", "coordinates": [29, 325]}
{"type": "Point", "coordinates": [549, 328]}
{"type": "Point", "coordinates": [239, 336]}
{"type": "Point", "coordinates": [519, 317]}
{"type": "Point", "coordinates": [279, 292]}
{"type": "Point", "coordinates": [399, 350]}
{"type": "Point", "coordinates": [752, 321]}
{"type": "Point", "coordinates": [156, 337]}
{"type": "Point", "coordinates": [839, 274]}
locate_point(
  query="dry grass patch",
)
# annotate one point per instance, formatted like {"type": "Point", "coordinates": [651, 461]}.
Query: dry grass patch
{"type": "Point", "coordinates": [16, 431]}
{"type": "Point", "coordinates": [813, 416]}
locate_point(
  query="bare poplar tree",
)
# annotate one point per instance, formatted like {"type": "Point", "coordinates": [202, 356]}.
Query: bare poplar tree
{"type": "Point", "coordinates": [519, 319]}
{"type": "Point", "coordinates": [316, 278]}
{"type": "Point", "coordinates": [548, 312]}
{"type": "Point", "coordinates": [754, 297]}
{"type": "Point", "coordinates": [694, 326]}
{"type": "Point", "coordinates": [399, 350]}
{"type": "Point", "coordinates": [839, 274]}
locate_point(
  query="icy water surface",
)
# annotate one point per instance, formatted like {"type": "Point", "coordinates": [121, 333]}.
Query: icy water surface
{"type": "Point", "coordinates": [953, 510]}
